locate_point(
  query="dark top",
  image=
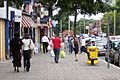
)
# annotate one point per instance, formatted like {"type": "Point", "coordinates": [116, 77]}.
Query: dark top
{"type": "Point", "coordinates": [76, 47]}
{"type": "Point", "coordinates": [15, 45]}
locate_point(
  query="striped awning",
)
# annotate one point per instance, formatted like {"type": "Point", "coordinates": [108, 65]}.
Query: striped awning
{"type": "Point", "coordinates": [28, 22]}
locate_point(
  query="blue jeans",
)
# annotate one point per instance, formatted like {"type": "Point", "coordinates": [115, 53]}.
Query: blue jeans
{"type": "Point", "coordinates": [70, 49]}
{"type": "Point", "coordinates": [56, 52]}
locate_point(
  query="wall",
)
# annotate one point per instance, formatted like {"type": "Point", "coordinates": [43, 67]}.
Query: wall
{"type": "Point", "coordinates": [2, 39]}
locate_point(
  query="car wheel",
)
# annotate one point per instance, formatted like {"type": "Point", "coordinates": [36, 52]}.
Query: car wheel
{"type": "Point", "coordinates": [112, 59]}
{"type": "Point", "coordinates": [116, 58]}
{"type": "Point", "coordinates": [106, 59]}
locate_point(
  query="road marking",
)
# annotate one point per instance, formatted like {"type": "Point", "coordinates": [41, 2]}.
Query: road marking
{"type": "Point", "coordinates": [110, 64]}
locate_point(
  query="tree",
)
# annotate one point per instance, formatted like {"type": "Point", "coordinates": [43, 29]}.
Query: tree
{"type": "Point", "coordinates": [74, 7]}
{"type": "Point", "coordinates": [104, 23]}
{"type": "Point", "coordinates": [111, 14]}
{"type": "Point", "coordinates": [17, 3]}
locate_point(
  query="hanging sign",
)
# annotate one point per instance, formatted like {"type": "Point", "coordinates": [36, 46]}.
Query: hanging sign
{"type": "Point", "coordinates": [27, 1]}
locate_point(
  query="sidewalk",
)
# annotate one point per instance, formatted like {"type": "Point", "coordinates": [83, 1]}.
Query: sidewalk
{"type": "Point", "coordinates": [44, 68]}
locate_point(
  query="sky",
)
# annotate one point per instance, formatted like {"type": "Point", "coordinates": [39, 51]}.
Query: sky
{"type": "Point", "coordinates": [79, 16]}
{"type": "Point", "coordinates": [95, 17]}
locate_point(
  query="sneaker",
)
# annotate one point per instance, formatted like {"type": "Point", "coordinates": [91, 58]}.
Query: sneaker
{"type": "Point", "coordinates": [76, 60]}
{"type": "Point", "coordinates": [17, 70]}
{"type": "Point", "coordinates": [27, 69]}
{"type": "Point", "coordinates": [14, 69]}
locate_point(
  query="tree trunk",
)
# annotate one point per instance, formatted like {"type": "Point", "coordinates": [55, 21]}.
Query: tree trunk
{"type": "Point", "coordinates": [50, 11]}
{"type": "Point", "coordinates": [75, 18]}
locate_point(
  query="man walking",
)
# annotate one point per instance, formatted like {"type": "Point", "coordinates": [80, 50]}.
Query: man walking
{"type": "Point", "coordinates": [56, 43]}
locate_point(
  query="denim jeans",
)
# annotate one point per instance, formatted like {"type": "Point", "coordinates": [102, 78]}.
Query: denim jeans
{"type": "Point", "coordinates": [70, 49]}
{"type": "Point", "coordinates": [56, 52]}
{"type": "Point", "coordinates": [26, 59]}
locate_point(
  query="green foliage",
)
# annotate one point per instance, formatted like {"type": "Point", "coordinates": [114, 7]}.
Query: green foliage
{"type": "Point", "coordinates": [111, 14]}
{"type": "Point", "coordinates": [105, 24]}
{"type": "Point", "coordinates": [84, 6]}
{"type": "Point", "coordinates": [1, 4]}
{"type": "Point", "coordinates": [18, 3]}
{"type": "Point", "coordinates": [68, 7]}
{"type": "Point", "coordinates": [47, 2]}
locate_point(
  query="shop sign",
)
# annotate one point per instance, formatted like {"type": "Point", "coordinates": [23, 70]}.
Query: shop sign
{"type": "Point", "coordinates": [27, 1]}
{"type": "Point", "coordinates": [14, 14]}
{"type": "Point", "coordinates": [44, 20]}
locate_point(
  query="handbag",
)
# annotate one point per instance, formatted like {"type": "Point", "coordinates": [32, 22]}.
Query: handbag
{"type": "Point", "coordinates": [52, 53]}
{"type": "Point", "coordinates": [31, 46]}
{"type": "Point", "coordinates": [49, 47]}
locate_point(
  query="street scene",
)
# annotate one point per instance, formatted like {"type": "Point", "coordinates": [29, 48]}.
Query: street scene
{"type": "Point", "coordinates": [59, 40]}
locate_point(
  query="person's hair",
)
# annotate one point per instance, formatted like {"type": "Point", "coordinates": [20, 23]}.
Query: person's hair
{"type": "Point", "coordinates": [26, 36]}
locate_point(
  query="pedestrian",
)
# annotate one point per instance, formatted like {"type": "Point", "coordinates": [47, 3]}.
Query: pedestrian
{"type": "Point", "coordinates": [26, 51]}
{"type": "Point", "coordinates": [70, 38]}
{"type": "Point", "coordinates": [62, 52]}
{"type": "Point", "coordinates": [56, 44]}
{"type": "Point", "coordinates": [82, 45]}
{"type": "Point", "coordinates": [76, 47]}
{"type": "Point", "coordinates": [16, 46]}
{"type": "Point", "coordinates": [66, 41]}
{"type": "Point", "coordinates": [45, 42]}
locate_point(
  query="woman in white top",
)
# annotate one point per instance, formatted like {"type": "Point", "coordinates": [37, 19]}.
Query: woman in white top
{"type": "Point", "coordinates": [26, 51]}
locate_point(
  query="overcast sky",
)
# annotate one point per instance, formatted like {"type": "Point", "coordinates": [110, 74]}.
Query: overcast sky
{"type": "Point", "coordinates": [95, 17]}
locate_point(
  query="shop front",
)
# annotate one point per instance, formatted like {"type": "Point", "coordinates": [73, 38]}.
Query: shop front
{"type": "Point", "coordinates": [2, 39]}
{"type": "Point", "coordinates": [28, 26]}
{"type": "Point", "coordinates": [15, 17]}
{"type": "Point", "coordinates": [3, 19]}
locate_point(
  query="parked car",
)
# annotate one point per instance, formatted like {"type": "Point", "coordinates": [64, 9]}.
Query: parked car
{"type": "Point", "coordinates": [114, 55]}
{"type": "Point", "coordinates": [100, 45]}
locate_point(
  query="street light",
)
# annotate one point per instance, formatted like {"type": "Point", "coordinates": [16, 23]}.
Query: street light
{"type": "Point", "coordinates": [114, 1]}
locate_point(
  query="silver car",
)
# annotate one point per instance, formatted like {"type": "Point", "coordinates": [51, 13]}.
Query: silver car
{"type": "Point", "coordinates": [100, 45]}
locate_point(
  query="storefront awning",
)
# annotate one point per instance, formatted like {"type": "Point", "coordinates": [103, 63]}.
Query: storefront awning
{"type": "Point", "coordinates": [28, 22]}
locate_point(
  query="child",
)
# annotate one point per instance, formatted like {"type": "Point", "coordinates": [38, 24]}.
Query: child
{"type": "Point", "coordinates": [62, 52]}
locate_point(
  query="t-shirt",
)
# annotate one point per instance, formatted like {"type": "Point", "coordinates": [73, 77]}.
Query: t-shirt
{"type": "Point", "coordinates": [26, 43]}
{"type": "Point", "coordinates": [45, 39]}
{"type": "Point", "coordinates": [56, 42]}
{"type": "Point", "coordinates": [83, 42]}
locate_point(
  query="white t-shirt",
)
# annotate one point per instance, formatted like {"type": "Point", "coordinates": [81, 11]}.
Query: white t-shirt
{"type": "Point", "coordinates": [45, 39]}
{"type": "Point", "coordinates": [26, 43]}
{"type": "Point", "coordinates": [83, 42]}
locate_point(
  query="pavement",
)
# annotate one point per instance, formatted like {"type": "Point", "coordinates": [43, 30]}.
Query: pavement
{"type": "Point", "coordinates": [44, 68]}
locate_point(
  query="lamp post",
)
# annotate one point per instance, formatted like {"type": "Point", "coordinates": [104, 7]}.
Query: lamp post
{"type": "Point", "coordinates": [84, 24]}
{"type": "Point", "coordinates": [114, 1]}
{"type": "Point", "coordinates": [61, 27]}
{"type": "Point", "coordinates": [68, 27]}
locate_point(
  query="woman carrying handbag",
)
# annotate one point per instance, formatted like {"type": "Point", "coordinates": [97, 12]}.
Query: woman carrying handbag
{"type": "Point", "coordinates": [27, 42]}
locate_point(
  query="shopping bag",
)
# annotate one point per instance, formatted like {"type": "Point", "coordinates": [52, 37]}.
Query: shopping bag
{"type": "Point", "coordinates": [62, 54]}
{"type": "Point", "coordinates": [49, 47]}
{"type": "Point", "coordinates": [52, 53]}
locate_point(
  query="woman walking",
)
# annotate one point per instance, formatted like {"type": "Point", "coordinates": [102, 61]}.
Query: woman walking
{"type": "Point", "coordinates": [15, 46]}
{"type": "Point", "coordinates": [76, 48]}
{"type": "Point", "coordinates": [26, 51]}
